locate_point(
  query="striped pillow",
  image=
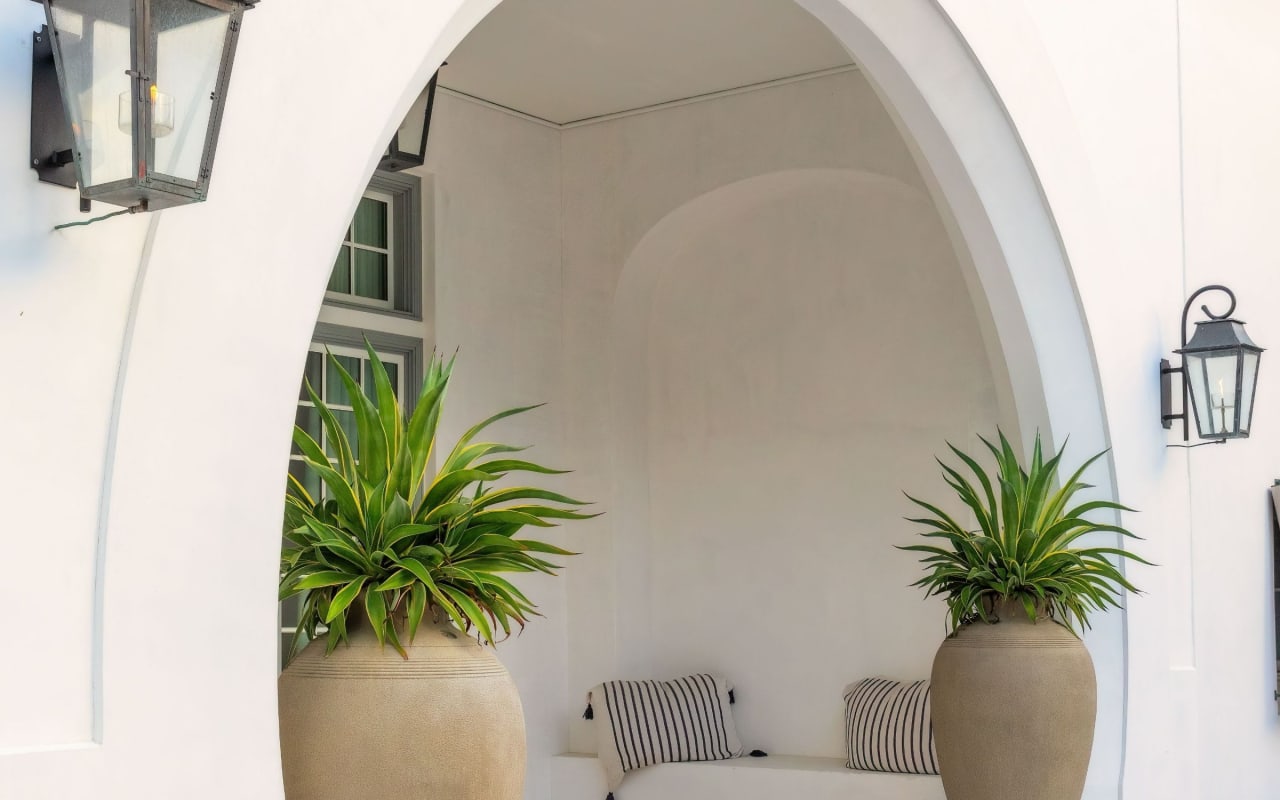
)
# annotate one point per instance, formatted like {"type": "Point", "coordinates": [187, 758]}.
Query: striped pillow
{"type": "Point", "coordinates": [641, 723]}
{"type": "Point", "coordinates": [888, 727]}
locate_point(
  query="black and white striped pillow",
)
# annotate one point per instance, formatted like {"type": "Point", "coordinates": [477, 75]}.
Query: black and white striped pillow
{"type": "Point", "coordinates": [888, 727]}
{"type": "Point", "coordinates": [641, 723]}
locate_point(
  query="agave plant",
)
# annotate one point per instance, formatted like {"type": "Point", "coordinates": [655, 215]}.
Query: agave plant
{"type": "Point", "coordinates": [1023, 548]}
{"type": "Point", "coordinates": [392, 542]}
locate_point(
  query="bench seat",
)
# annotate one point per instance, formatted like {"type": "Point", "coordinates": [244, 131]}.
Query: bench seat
{"type": "Point", "coordinates": [580, 777]}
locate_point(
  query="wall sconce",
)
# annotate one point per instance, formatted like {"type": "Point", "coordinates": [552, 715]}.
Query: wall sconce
{"type": "Point", "coordinates": [412, 133]}
{"type": "Point", "coordinates": [127, 97]}
{"type": "Point", "coordinates": [1219, 375]}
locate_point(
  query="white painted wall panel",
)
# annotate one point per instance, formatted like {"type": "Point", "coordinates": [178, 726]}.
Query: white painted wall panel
{"type": "Point", "coordinates": [811, 349]}
{"type": "Point", "coordinates": [64, 299]}
{"type": "Point", "coordinates": [498, 299]}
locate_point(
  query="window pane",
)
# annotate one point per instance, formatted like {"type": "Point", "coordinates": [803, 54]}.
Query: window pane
{"type": "Point", "coordinates": [335, 391]}
{"type": "Point", "coordinates": [371, 275]}
{"type": "Point", "coordinates": [371, 222]}
{"type": "Point", "coordinates": [346, 419]}
{"type": "Point", "coordinates": [306, 477]}
{"type": "Point", "coordinates": [393, 374]}
{"type": "Point", "coordinates": [290, 610]}
{"type": "Point", "coordinates": [307, 418]}
{"type": "Point", "coordinates": [312, 372]}
{"type": "Point", "coordinates": [340, 280]}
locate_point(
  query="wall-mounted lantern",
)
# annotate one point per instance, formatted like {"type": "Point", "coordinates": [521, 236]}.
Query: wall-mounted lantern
{"type": "Point", "coordinates": [408, 147]}
{"type": "Point", "coordinates": [1219, 374]}
{"type": "Point", "coordinates": [127, 96]}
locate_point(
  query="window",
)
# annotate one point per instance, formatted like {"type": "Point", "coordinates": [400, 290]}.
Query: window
{"type": "Point", "coordinates": [378, 267]}
{"type": "Point", "coordinates": [375, 292]}
{"type": "Point", "coordinates": [326, 382]}
{"type": "Point", "coordinates": [403, 358]}
{"type": "Point", "coordinates": [364, 270]}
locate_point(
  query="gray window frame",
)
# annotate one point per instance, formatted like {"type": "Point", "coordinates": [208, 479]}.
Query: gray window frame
{"type": "Point", "coordinates": [410, 348]}
{"type": "Point", "coordinates": [406, 239]}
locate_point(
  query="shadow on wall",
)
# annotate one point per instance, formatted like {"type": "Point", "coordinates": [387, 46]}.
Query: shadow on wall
{"type": "Point", "coordinates": [792, 351]}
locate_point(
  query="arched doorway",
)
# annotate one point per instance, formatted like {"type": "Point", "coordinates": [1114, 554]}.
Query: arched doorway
{"type": "Point", "coordinates": [244, 269]}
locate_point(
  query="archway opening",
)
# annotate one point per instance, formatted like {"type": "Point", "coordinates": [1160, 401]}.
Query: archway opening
{"type": "Point", "coordinates": [953, 131]}
{"type": "Point", "coordinates": [673, 261]}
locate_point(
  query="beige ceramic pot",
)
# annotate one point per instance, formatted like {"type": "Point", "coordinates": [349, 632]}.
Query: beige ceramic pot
{"type": "Point", "coordinates": [1013, 710]}
{"type": "Point", "coordinates": [366, 723]}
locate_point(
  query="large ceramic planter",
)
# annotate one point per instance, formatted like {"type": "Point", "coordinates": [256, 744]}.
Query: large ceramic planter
{"type": "Point", "coordinates": [1013, 710]}
{"type": "Point", "coordinates": [366, 723]}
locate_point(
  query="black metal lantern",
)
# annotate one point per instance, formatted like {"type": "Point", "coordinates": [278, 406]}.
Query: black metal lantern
{"type": "Point", "coordinates": [408, 147]}
{"type": "Point", "coordinates": [1219, 375]}
{"type": "Point", "coordinates": [142, 85]}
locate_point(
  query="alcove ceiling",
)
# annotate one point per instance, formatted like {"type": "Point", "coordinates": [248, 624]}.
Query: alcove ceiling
{"type": "Point", "coordinates": [569, 60]}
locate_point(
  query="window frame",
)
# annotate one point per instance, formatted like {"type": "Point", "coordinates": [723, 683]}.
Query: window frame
{"type": "Point", "coordinates": [403, 193]}
{"type": "Point", "coordinates": [409, 350]}
{"type": "Point", "coordinates": [390, 251]}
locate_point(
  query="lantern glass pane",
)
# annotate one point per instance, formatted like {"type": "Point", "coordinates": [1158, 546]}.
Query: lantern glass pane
{"type": "Point", "coordinates": [1213, 391]}
{"type": "Point", "coordinates": [1246, 389]}
{"type": "Point", "coordinates": [189, 42]}
{"type": "Point", "coordinates": [1198, 384]}
{"type": "Point", "coordinates": [94, 51]}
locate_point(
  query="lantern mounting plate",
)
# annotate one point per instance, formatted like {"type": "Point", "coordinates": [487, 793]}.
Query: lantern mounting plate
{"type": "Point", "coordinates": [52, 145]}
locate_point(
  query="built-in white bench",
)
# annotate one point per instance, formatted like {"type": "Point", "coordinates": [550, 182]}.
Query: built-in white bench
{"type": "Point", "coordinates": [580, 777]}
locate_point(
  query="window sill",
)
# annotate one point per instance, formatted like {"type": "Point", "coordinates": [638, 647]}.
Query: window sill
{"type": "Point", "coordinates": [367, 308]}
{"type": "Point", "coordinates": [580, 777]}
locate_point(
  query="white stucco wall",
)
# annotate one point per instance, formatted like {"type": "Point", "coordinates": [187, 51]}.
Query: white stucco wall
{"type": "Point", "coordinates": [186, 689]}
{"type": "Point", "coordinates": [645, 205]}
{"type": "Point", "coordinates": [497, 303]}
{"type": "Point", "coordinates": [811, 346]}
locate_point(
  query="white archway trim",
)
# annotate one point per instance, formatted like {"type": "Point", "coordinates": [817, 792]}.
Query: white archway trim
{"type": "Point", "coordinates": [991, 199]}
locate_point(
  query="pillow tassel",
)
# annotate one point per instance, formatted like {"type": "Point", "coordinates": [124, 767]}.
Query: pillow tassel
{"type": "Point", "coordinates": [590, 714]}
{"type": "Point", "coordinates": [732, 699]}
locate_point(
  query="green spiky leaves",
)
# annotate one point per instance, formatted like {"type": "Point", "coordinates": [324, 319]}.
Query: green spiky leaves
{"type": "Point", "coordinates": [1028, 544]}
{"type": "Point", "coordinates": [391, 541]}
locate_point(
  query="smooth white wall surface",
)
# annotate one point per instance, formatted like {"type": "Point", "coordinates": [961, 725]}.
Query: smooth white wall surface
{"type": "Point", "coordinates": [810, 348]}
{"type": "Point", "coordinates": [1229, 62]}
{"type": "Point", "coordinates": [624, 181]}
{"type": "Point", "coordinates": [1079, 93]}
{"type": "Point", "coordinates": [64, 303]}
{"type": "Point", "coordinates": [1159, 184]}
{"type": "Point", "coordinates": [497, 304]}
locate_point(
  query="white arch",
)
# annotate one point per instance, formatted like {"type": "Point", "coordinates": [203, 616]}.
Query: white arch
{"type": "Point", "coordinates": [187, 684]}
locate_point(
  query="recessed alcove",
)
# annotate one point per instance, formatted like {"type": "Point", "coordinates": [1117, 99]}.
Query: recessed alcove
{"type": "Point", "coordinates": [792, 351]}
{"type": "Point", "coordinates": [755, 330]}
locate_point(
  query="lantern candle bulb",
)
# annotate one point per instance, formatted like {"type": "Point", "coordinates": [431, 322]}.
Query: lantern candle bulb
{"type": "Point", "coordinates": [162, 112]}
{"type": "Point", "coordinates": [1222, 403]}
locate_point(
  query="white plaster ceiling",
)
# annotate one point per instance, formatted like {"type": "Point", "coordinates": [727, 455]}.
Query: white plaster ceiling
{"type": "Point", "coordinates": [569, 60]}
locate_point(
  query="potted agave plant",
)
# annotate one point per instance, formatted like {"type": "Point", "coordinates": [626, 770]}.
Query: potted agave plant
{"type": "Point", "coordinates": [1014, 694]}
{"type": "Point", "coordinates": [401, 568]}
